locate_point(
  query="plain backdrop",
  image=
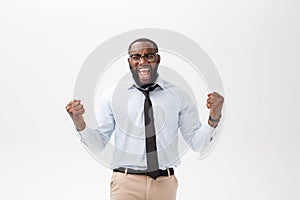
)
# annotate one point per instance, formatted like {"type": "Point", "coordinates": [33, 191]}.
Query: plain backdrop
{"type": "Point", "coordinates": [254, 45]}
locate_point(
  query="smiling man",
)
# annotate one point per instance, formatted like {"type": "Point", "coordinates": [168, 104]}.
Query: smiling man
{"type": "Point", "coordinates": [143, 61]}
{"type": "Point", "coordinates": [146, 128]}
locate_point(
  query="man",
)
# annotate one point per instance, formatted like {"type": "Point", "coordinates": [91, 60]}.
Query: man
{"type": "Point", "coordinates": [145, 115]}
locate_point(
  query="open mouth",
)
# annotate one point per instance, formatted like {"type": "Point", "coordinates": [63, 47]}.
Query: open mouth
{"type": "Point", "coordinates": [144, 73]}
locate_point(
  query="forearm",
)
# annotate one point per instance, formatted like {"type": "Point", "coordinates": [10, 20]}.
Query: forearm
{"type": "Point", "coordinates": [202, 138]}
{"type": "Point", "coordinates": [93, 139]}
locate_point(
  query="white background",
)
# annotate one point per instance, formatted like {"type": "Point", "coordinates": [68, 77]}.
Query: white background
{"type": "Point", "coordinates": [254, 45]}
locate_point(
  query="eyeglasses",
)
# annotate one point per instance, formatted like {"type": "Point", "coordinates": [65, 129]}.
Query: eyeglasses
{"type": "Point", "coordinates": [149, 57]}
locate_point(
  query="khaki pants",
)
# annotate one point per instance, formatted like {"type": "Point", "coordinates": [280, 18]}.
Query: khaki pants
{"type": "Point", "coordinates": [140, 187]}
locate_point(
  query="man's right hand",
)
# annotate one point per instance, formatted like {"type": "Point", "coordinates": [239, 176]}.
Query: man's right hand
{"type": "Point", "coordinates": [76, 110]}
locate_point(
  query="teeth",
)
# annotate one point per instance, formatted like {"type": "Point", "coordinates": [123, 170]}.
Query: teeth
{"type": "Point", "coordinates": [143, 70]}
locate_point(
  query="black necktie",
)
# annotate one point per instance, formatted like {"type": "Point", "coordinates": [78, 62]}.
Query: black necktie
{"type": "Point", "coordinates": [151, 150]}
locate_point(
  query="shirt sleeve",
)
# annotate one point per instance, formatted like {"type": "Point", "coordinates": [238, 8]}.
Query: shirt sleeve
{"type": "Point", "coordinates": [199, 136]}
{"type": "Point", "coordinates": [96, 139]}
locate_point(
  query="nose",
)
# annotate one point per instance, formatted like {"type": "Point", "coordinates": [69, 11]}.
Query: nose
{"type": "Point", "coordinates": [142, 60]}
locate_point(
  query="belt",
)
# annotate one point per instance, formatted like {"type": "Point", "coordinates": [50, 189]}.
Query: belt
{"type": "Point", "coordinates": [144, 172]}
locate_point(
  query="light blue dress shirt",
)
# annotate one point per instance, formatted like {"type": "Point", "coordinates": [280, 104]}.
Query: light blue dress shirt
{"type": "Point", "coordinates": [121, 111]}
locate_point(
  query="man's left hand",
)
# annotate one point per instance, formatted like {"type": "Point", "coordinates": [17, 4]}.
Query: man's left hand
{"type": "Point", "coordinates": [214, 104]}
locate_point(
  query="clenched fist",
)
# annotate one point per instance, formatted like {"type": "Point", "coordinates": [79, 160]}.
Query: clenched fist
{"type": "Point", "coordinates": [214, 104]}
{"type": "Point", "coordinates": [76, 111]}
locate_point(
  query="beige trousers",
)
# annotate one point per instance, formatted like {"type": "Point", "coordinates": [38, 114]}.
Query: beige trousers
{"type": "Point", "coordinates": [140, 187]}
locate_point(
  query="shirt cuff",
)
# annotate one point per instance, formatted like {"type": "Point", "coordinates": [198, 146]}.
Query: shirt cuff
{"type": "Point", "coordinates": [83, 134]}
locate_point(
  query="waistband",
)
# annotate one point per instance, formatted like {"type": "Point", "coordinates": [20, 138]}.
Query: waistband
{"type": "Point", "coordinates": [166, 172]}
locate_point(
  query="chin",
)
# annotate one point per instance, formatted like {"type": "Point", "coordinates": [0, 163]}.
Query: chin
{"type": "Point", "coordinates": [143, 82]}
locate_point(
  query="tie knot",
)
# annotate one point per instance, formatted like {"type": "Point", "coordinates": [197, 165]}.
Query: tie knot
{"type": "Point", "coordinates": [147, 90]}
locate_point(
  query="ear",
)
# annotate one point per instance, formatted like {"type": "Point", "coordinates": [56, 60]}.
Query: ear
{"type": "Point", "coordinates": [158, 59]}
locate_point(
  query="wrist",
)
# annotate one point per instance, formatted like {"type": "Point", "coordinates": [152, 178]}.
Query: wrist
{"type": "Point", "coordinates": [213, 124]}
{"type": "Point", "coordinates": [80, 126]}
{"type": "Point", "coordinates": [213, 119]}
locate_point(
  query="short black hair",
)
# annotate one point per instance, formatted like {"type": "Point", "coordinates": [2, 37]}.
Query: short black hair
{"type": "Point", "coordinates": [143, 40]}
